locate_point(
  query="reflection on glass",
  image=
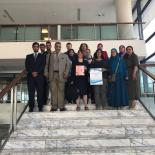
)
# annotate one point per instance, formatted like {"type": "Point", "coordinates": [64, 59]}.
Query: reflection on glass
{"type": "Point", "coordinates": [20, 33]}
{"type": "Point", "coordinates": [147, 92]}
{"type": "Point", "coordinates": [66, 32]}
{"type": "Point", "coordinates": [44, 33]}
{"type": "Point", "coordinates": [86, 32]}
{"type": "Point", "coordinates": [32, 33]}
{"type": "Point", "coordinates": [53, 32]}
{"type": "Point", "coordinates": [8, 34]}
{"type": "Point", "coordinates": [108, 32]}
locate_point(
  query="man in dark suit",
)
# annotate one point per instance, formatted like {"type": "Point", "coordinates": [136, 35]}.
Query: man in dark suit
{"type": "Point", "coordinates": [46, 87]}
{"type": "Point", "coordinates": [35, 64]}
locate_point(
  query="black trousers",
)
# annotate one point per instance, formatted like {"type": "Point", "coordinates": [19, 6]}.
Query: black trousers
{"type": "Point", "coordinates": [36, 84]}
{"type": "Point", "coordinates": [46, 91]}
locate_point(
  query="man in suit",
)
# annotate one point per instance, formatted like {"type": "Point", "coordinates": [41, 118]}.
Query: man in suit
{"type": "Point", "coordinates": [48, 47]}
{"type": "Point", "coordinates": [57, 71]}
{"type": "Point", "coordinates": [44, 53]}
{"type": "Point", "coordinates": [42, 48]}
{"type": "Point", "coordinates": [35, 64]}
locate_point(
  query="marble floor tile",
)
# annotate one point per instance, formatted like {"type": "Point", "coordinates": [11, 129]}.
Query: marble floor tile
{"type": "Point", "coordinates": [109, 132]}
{"type": "Point", "coordinates": [23, 145]}
{"type": "Point", "coordinates": [89, 144]}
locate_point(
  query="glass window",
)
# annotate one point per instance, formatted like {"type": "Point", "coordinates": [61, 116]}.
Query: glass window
{"type": "Point", "coordinates": [136, 31]}
{"type": "Point", "coordinates": [86, 33]}
{"type": "Point", "coordinates": [44, 33]}
{"type": "Point", "coordinates": [32, 33]}
{"type": "Point", "coordinates": [108, 32]}
{"type": "Point", "coordinates": [134, 15]}
{"type": "Point", "coordinates": [65, 32]}
{"type": "Point", "coordinates": [53, 32]}
{"type": "Point", "coordinates": [8, 33]}
{"type": "Point", "coordinates": [143, 2]}
{"type": "Point", "coordinates": [20, 33]}
{"type": "Point", "coordinates": [150, 48]}
{"type": "Point", "coordinates": [74, 32]}
{"type": "Point", "coordinates": [150, 29]}
{"type": "Point", "coordinates": [98, 32]}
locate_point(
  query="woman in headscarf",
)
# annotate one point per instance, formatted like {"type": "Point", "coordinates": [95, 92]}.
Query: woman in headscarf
{"type": "Point", "coordinates": [122, 51]}
{"type": "Point", "coordinates": [118, 76]}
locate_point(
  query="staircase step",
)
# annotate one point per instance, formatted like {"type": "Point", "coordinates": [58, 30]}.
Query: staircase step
{"type": "Point", "coordinates": [91, 132]}
{"type": "Point", "coordinates": [107, 132]}
{"type": "Point", "coordinates": [83, 114]}
{"type": "Point", "coordinates": [77, 123]}
{"type": "Point", "coordinates": [107, 151]}
{"type": "Point", "coordinates": [79, 144]}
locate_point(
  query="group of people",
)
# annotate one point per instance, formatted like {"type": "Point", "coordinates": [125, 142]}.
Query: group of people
{"type": "Point", "coordinates": [66, 75]}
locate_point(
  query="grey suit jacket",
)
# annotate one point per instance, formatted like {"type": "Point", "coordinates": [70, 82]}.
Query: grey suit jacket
{"type": "Point", "coordinates": [64, 66]}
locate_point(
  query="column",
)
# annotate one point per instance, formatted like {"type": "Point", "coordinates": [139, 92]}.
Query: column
{"type": "Point", "coordinates": [59, 32]}
{"type": "Point", "coordinates": [124, 15]}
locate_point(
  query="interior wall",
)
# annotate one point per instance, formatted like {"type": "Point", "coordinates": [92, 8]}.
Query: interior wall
{"type": "Point", "coordinates": [19, 50]}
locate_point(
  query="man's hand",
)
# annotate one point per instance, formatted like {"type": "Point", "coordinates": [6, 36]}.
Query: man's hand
{"type": "Point", "coordinates": [35, 74]}
{"type": "Point", "coordinates": [89, 61]}
{"type": "Point", "coordinates": [126, 78]}
{"type": "Point", "coordinates": [65, 76]}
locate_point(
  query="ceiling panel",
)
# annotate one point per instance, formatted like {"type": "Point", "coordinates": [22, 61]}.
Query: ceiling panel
{"type": "Point", "coordinates": [57, 11]}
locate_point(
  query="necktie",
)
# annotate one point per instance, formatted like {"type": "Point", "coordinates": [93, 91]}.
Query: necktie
{"type": "Point", "coordinates": [35, 56]}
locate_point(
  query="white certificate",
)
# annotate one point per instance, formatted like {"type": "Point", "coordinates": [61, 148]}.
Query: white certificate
{"type": "Point", "coordinates": [96, 76]}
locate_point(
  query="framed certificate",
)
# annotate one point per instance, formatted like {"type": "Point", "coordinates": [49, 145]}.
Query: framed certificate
{"type": "Point", "coordinates": [96, 76]}
{"type": "Point", "coordinates": [80, 70]}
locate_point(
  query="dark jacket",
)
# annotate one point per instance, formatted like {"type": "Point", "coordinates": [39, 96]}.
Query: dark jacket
{"type": "Point", "coordinates": [33, 65]}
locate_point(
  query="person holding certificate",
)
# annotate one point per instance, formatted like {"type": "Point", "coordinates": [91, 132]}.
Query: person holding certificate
{"type": "Point", "coordinates": [80, 69]}
{"type": "Point", "coordinates": [98, 78]}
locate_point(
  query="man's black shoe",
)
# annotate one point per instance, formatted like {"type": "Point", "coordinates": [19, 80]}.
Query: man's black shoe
{"type": "Point", "coordinates": [40, 109]}
{"type": "Point", "coordinates": [30, 110]}
{"type": "Point", "coordinates": [52, 109]}
{"type": "Point", "coordinates": [63, 109]}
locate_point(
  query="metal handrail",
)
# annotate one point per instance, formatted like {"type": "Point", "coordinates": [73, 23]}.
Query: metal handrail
{"type": "Point", "coordinates": [143, 68]}
{"type": "Point", "coordinates": [12, 83]}
{"type": "Point", "coordinates": [13, 115]}
{"type": "Point", "coordinates": [147, 58]}
{"type": "Point", "coordinates": [96, 23]}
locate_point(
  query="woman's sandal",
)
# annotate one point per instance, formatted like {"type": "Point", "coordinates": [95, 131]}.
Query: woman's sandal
{"type": "Point", "coordinates": [77, 108]}
{"type": "Point", "coordinates": [86, 108]}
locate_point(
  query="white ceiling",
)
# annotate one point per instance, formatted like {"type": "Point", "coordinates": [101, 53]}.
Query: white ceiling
{"type": "Point", "coordinates": [57, 11]}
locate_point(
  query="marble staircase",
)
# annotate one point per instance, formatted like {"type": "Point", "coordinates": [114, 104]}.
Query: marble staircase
{"type": "Point", "coordinates": [108, 132]}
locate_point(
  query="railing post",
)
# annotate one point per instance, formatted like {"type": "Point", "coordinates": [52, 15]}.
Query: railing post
{"type": "Point", "coordinates": [154, 91]}
{"type": "Point", "coordinates": [15, 108]}
{"type": "Point", "coordinates": [12, 110]}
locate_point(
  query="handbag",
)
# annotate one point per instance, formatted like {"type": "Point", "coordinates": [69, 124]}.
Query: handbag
{"type": "Point", "coordinates": [112, 78]}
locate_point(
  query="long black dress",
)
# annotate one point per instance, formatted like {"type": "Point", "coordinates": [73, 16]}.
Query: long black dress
{"type": "Point", "coordinates": [81, 82]}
